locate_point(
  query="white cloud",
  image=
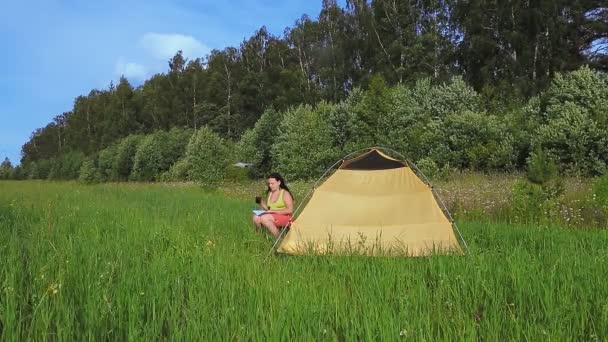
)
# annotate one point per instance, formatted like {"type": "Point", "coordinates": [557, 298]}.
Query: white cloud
{"type": "Point", "coordinates": [133, 71]}
{"type": "Point", "coordinates": [165, 46]}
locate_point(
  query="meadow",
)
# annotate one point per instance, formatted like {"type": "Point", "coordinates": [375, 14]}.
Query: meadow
{"type": "Point", "coordinates": [173, 261]}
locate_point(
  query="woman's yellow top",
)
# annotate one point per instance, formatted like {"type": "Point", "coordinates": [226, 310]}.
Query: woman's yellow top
{"type": "Point", "coordinates": [279, 204]}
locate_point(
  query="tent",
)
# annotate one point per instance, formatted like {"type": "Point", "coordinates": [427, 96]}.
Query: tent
{"type": "Point", "coordinates": [372, 204]}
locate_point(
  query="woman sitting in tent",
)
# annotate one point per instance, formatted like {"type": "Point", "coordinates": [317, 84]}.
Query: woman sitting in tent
{"type": "Point", "coordinates": [278, 208]}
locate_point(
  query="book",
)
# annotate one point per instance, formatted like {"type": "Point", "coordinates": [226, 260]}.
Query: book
{"type": "Point", "coordinates": [259, 212]}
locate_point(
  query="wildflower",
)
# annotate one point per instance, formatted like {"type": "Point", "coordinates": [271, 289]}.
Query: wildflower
{"type": "Point", "coordinates": [53, 289]}
{"type": "Point", "coordinates": [403, 332]}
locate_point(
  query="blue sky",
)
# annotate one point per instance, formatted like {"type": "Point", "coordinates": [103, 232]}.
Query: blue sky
{"type": "Point", "coordinates": [56, 50]}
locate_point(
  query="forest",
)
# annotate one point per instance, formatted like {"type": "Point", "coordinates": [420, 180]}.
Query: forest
{"type": "Point", "coordinates": [480, 85]}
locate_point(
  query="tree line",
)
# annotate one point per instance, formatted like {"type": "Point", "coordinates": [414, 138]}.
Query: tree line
{"type": "Point", "coordinates": [506, 53]}
{"type": "Point", "coordinates": [441, 127]}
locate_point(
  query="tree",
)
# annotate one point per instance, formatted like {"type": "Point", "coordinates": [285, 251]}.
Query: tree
{"type": "Point", "coordinates": [304, 147]}
{"type": "Point", "coordinates": [6, 169]}
{"type": "Point", "coordinates": [208, 156]}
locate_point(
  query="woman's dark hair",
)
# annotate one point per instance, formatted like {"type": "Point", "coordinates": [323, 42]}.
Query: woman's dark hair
{"type": "Point", "coordinates": [280, 179]}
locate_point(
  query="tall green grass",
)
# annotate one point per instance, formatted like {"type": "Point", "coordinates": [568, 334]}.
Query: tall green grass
{"type": "Point", "coordinates": [150, 262]}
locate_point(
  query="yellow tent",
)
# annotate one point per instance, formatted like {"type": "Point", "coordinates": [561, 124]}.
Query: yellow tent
{"type": "Point", "coordinates": [372, 204]}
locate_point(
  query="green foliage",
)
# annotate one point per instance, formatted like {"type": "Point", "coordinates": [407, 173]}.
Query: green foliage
{"type": "Point", "coordinates": [208, 156]}
{"type": "Point", "coordinates": [348, 124]}
{"type": "Point", "coordinates": [375, 104]}
{"type": "Point", "coordinates": [444, 123]}
{"type": "Point", "coordinates": [17, 173]}
{"type": "Point", "coordinates": [574, 127]}
{"type": "Point", "coordinates": [157, 152]}
{"type": "Point", "coordinates": [175, 143]}
{"type": "Point", "coordinates": [432, 171]}
{"type": "Point", "coordinates": [148, 162]}
{"type": "Point", "coordinates": [475, 140]}
{"type": "Point", "coordinates": [408, 126]}
{"type": "Point", "coordinates": [452, 97]}
{"type": "Point", "coordinates": [66, 166]}
{"type": "Point", "coordinates": [6, 168]}
{"type": "Point", "coordinates": [541, 168]}
{"type": "Point", "coordinates": [600, 191]}
{"type": "Point", "coordinates": [39, 169]}
{"type": "Point", "coordinates": [528, 201]}
{"type": "Point", "coordinates": [256, 145]}
{"type": "Point", "coordinates": [304, 148]}
{"type": "Point", "coordinates": [88, 172]}
{"type": "Point", "coordinates": [506, 51]}
{"type": "Point", "coordinates": [105, 164]}
{"type": "Point", "coordinates": [428, 167]}
{"type": "Point", "coordinates": [236, 174]}
{"type": "Point", "coordinates": [246, 150]}
{"type": "Point", "coordinates": [586, 88]}
{"type": "Point", "coordinates": [523, 123]}
{"type": "Point", "coordinates": [532, 202]}
{"type": "Point", "coordinates": [125, 156]}
{"type": "Point", "coordinates": [179, 171]}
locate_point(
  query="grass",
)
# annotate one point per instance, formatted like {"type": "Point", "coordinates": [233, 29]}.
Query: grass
{"type": "Point", "coordinates": [154, 262]}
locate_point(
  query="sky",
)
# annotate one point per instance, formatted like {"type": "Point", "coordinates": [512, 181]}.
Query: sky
{"type": "Point", "coordinates": [55, 50]}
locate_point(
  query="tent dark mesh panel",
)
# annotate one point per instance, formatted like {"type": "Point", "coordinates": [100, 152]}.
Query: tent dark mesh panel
{"type": "Point", "coordinates": [371, 161]}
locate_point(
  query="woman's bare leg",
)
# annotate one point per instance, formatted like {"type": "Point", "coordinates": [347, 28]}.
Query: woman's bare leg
{"type": "Point", "coordinates": [257, 221]}
{"type": "Point", "coordinates": [268, 222]}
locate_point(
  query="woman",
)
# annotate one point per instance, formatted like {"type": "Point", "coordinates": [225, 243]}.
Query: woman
{"type": "Point", "coordinates": [278, 208]}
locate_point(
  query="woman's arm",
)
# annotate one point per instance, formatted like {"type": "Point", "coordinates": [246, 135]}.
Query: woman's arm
{"type": "Point", "coordinates": [263, 205]}
{"type": "Point", "coordinates": [288, 204]}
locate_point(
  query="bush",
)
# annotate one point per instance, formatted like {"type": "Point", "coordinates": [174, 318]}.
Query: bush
{"type": "Point", "coordinates": [256, 145]}
{"type": "Point", "coordinates": [574, 122]}
{"type": "Point", "coordinates": [208, 156]}
{"type": "Point", "coordinates": [17, 173]}
{"type": "Point", "coordinates": [125, 156]}
{"type": "Point", "coordinates": [477, 141]}
{"type": "Point", "coordinates": [541, 168]}
{"type": "Point", "coordinates": [528, 201]}
{"type": "Point", "coordinates": [105, 163]}
{"type": "Point", "coordinates": [88, 172]}
{"type": "Point", "coordinates": [157, 152]}
{"type": "Point", "coordinates": [453, 97]}
{"type": "Point", "coordinates": [534, 202]}
{"type": "Point", "coordinates": [246, 149]}
{"type": "Point", "coordinates": [148, 161]}
{"type": "Point", "coordinates": [66, 166]}
{"type": "Point", "coordinates": [179, 171]}
{"type": "Point", "coordinates": [419, 121]}
{"type": "Point", "coordinates": [39, 169]}
{"type": "Point", "coordinates": [348, 127]}
{"type": "Point", "coordinates": [304, 148]}
{"type": "Point", "coordinates": [6, 168]}
{"type": "Point", "coordinates": [429, 168]}
{"type": "Point", "coordinates": [236, 174]}
{"type": "Point", "coordinates": [175, 142]}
